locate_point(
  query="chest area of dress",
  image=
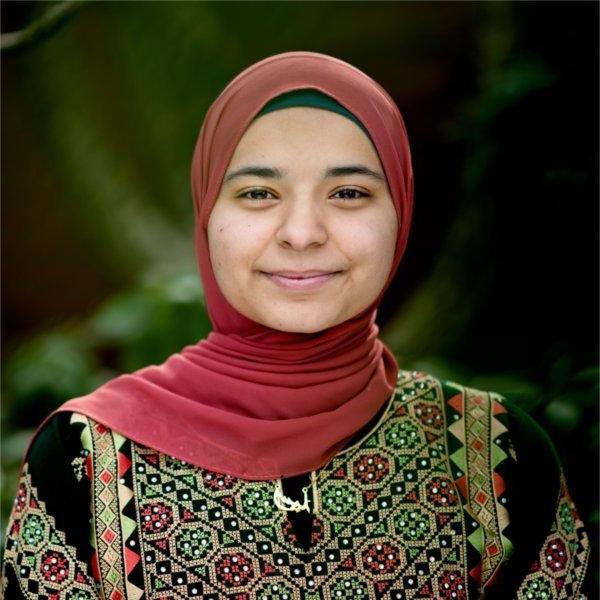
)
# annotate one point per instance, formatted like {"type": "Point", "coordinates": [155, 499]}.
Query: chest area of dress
{"type": "Point", "coordinates": [388, 521]}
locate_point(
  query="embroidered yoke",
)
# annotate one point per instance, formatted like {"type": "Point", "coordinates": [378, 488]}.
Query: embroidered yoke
{"type": "Point", "coordinates": [421, 506]}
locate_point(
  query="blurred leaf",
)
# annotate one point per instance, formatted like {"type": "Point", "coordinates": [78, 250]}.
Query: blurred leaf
{"type": "Point", "coordinates": [526, 393]}
{"type": "Point", "coordinates": [46, 371]}
{"type": "Point", "coordinates": [589, 375]}
{"type": "Point", "coordinates": [563, 413]}
{"type": "Point", "coordinates": [182, 288]}
{"type": "Point", "coordinates": [124, 317]}
{"type": "Point", "coordinates": [14, 446]}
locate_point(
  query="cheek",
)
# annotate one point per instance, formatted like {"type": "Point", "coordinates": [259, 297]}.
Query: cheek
{"type": "Point", "coordinates": [371, 244]}
{"type": "Point", "coordinates": [219, 249]}
{"type": "Point", "coordinates": [234, 244]}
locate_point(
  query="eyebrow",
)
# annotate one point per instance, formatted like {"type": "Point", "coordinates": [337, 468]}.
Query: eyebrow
{"type": "Point", "coordinates": [274, 173]}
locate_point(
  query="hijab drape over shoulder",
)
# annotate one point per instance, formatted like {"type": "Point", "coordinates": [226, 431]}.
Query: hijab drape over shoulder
{"type": "Point", "coordinates": [251, 401]}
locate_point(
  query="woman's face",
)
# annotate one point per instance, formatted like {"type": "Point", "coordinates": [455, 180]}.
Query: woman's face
{"type": "Point", "coordinates": [302, 235]}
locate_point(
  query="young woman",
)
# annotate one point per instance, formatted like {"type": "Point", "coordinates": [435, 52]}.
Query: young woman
{"type": "Point", "coordinates": [287, 455]}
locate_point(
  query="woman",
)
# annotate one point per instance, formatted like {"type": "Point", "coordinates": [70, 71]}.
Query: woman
{"type": "Point", "coordinates": [287, 455]}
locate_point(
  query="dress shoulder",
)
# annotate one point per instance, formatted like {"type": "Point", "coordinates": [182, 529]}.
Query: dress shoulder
{"type": "Point", "coordinates": [510, 477]}
{"type": "Point", "coordinates": [47, 537]}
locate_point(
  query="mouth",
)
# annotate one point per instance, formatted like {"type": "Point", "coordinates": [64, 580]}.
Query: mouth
{"type": "Point", "coordinates": [301, 280]}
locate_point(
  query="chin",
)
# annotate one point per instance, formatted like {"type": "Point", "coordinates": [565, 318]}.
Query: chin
{"type": "Point", "coordinates": [298, 324]}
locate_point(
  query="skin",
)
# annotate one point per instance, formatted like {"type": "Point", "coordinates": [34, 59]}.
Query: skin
{"type": "Point", "coordinates": [301, 221]}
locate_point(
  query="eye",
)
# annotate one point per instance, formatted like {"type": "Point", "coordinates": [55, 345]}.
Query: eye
{"type": "Point", "coordinates": [354, 194]}
{"type": "Point", "coordinates": [256, 194]}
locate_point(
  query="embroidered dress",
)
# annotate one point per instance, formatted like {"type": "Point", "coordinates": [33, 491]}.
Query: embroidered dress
{"type": "Point", "coordinates": [428, 502]}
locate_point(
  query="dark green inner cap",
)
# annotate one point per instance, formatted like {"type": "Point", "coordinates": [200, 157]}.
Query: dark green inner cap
{"type": "Point", "coordinates": [309, 97]}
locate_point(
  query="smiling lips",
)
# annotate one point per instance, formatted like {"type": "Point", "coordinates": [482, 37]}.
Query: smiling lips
{"type": "Point", "coordinates": [301, 280]}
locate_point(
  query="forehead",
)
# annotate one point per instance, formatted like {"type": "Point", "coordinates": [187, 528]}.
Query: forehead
{"type": "Point", "coordinates": [307, 129]}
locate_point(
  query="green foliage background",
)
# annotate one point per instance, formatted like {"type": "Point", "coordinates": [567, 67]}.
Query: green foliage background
{"type": "Point", "coordinates": [498, 288]}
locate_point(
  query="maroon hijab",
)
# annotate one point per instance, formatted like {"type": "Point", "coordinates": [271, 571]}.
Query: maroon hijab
{"type": "Point", "coordinates": [251, 401]}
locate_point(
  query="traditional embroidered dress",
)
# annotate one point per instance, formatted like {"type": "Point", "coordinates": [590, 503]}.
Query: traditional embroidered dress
{"type": "Point", "coordinates": [431, 499]}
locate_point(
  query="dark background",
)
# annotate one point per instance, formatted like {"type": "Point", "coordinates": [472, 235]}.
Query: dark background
{"type": "Point", "coordinates": [498, 288]}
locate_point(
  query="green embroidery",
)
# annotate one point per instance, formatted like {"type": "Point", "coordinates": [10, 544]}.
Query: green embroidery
{"type": "Point", "coordinates": [402, 435]}
{"type": "Point", "coordinates": [412, 524]}
{"type": "Point", "coordinates": [566, 517]}
{"type": "Point", "coordinates": [339, 499]}
{"type": "Point", "coordinates": [538, 589]}
{"type": "Point", "coordinates": [274, 591]}
{"type": "Point", "coordinates": [33, 531]}
{"type": "Point", "coordinates": [349, 588]}
{"type": "Point", "coordinates": [257, 501]}
{"type": "Point", "coordinates": [193, 543]}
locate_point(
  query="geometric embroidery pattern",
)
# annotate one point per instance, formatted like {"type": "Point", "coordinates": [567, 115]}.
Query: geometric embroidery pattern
{"type": "Point", "coordinates": [558, 571]}
{"type": "Point", "coordinates": [483, 428]}
{"type": "Point", "coordinates": [45, 565]}
{"type": "Point", "coordinates": [476, 436]}
{"type": "Point", "coordinates": [105, 511]}
{"type": "Point", "coordinates": [387, 524]}
{"type": "Point", "coordinates": [116, 559]}
{"type": "Point", "coordinates": [417, 508]}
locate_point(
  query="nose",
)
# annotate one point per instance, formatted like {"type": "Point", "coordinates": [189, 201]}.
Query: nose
{"type": "Point", "coordinates": [302, 225]}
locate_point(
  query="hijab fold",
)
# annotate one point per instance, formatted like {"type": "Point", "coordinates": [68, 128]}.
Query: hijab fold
{"type": "Point", "coordinates": [251, 401]}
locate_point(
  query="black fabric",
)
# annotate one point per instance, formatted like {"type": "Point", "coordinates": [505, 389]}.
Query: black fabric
{"type": "Point", "coordinates": [534, 486]}
{"type": "Point", "coordinates": [55, 483]}
{"type": "Point", "coordinates": [301, 522]}
{"type": "Point", "coordinates": [13, 591]}
{"type": "Point", "coordinates": [66, 498]}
